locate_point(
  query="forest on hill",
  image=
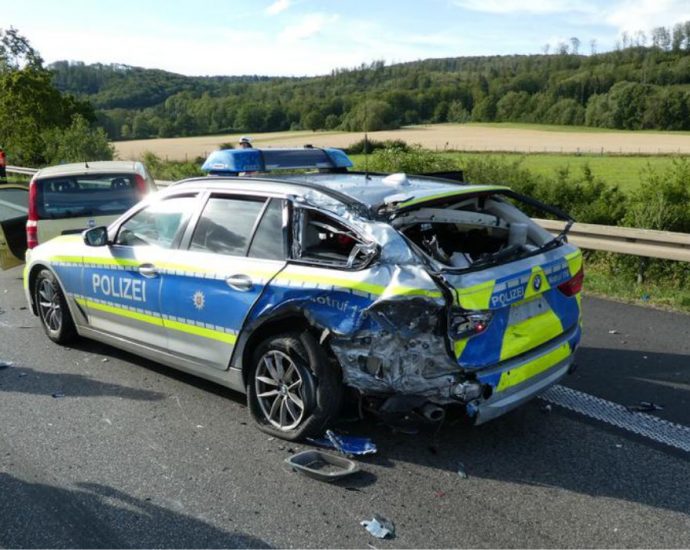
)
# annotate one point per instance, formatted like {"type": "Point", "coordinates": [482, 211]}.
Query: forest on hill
{"type": "Point", "coordinates": [643, 84]}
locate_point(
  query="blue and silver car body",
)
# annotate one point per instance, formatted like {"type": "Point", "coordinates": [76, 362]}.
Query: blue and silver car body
{"type": "Point", "coordinates": [419, 290]}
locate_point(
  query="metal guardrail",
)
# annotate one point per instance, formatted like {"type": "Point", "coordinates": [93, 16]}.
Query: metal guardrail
{"type": "Point", "coordinates": [623, 240]}
{"type": "Point", "coordinates": [20, 170]}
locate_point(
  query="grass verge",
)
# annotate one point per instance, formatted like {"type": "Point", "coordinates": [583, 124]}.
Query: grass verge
{"type": "Point", "coordinates": [602, 282]}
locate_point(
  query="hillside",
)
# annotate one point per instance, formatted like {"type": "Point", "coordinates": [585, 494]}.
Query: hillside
{"type": "Point", "coordinates": [633, 88]}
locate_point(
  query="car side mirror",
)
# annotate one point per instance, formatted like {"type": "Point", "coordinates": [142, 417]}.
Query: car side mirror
{"type": "Point", "coordinates": [96, 236]}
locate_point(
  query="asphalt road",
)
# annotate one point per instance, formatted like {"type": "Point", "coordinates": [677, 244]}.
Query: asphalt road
{"type": "Point", "coordinates": [138, 455]}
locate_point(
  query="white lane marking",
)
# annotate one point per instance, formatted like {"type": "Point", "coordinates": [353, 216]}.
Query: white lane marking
{"type": "Point", "coordinates": [646, 425]}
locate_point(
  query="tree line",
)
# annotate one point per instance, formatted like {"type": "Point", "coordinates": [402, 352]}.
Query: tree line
{"type": "Point", "coordinates": [644, 83]}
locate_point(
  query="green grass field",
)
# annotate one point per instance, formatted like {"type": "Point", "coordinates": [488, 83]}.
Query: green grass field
{"type": "Point", "coordinates": [621, 170]}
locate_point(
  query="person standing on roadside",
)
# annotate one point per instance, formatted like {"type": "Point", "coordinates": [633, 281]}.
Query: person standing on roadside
{"type": "Point", "coordinates": [246, 143]}
{"type": "Point", "coordinates": [3, 169]}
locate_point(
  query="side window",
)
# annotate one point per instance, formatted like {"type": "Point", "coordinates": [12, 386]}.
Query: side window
{"type": "Point", "coordinates": [226, 225]}
{"type": "Point", "coordinates": [269, 240]}
{"type": "Point", "coordinates": [157, 224]}
{"type": "Point", "coordinates": [323, 239]}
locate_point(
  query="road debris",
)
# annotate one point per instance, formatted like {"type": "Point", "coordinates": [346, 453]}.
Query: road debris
{"type": "Point", "coordinates": [380, 527]}
{"type": "Point", "coordinates": [322, 466]}
{"type": "Point", "coordinates": [546, 409]}
{"type": "Point", "coordinates": [644, 406]}
{"type": "Point", "coordinates": [461, 471]}
{"type": "Point", "coordinates": [613, 331]}
{"type": "Point", "coordinates": [105, 360]}
{"type": "Point", "coordinates": [346, 444]}
{"type": "Point", "coordinates": [5, 364]}
{"type": "Point", "coordinates": [58, 395]}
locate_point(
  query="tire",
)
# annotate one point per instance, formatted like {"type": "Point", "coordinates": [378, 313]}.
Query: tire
{"type": "Point", "coordinates": [307, 385]}
{"type": "Point", "coordinates": [52, 308]}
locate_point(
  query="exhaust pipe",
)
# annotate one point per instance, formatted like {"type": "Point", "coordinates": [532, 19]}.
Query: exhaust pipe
{"type": "Point", "coordinates": [432, 412]}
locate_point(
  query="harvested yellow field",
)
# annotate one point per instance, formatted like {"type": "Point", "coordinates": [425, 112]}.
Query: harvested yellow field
{"type": "Point", "coordinates": [461, 137]}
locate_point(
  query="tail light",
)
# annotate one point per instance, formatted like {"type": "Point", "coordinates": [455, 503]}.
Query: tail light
{"type": "Point", "coordinates": [574, 285]}
{"type": "Point", "coordinates": [140, 184]}
{"type": "Point", "coordinates": [32, 220]}
{"type": "Point", "coordinates": [469, 324]}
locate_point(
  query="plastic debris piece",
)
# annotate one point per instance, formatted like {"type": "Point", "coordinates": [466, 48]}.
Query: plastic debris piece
{"type": "Point", "coordinates": [461, 471]}
{"type": "Point", "coordinates": [105, 360]}
{"type": "Point", "coordinates": [5, 364]}
{"type": "Point", "coordinates": [22, 374]}
{"type": "Point", "coordinates": [546, 409]}
{"type": "Point", "coordinates": [322, 466]}
{"type": "Point", "coordinates": [645, 406]}
{"type": "Point", "coordinates": [346, 444]}
{"type": "Point", "coordinates": [380, 527]}
{"type": "Point", "coordinates": [58, 395]}
{"type": "Point", "coordinates": [614, 331]}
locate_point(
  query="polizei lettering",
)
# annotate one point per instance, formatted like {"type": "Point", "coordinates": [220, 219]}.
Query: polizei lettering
{"type": "Point", "coordinates": [119, 287]}
{"type": "Point", "coordinates": [508, 296]}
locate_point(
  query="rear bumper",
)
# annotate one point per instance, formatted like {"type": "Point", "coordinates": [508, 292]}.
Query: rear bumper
{"type": "Point", "coordinates": [519, 380]}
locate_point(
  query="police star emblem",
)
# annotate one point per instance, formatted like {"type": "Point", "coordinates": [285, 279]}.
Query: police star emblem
{"type": "Point", "coordinates": [199, 300]}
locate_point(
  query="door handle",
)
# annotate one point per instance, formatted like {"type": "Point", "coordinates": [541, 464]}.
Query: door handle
{"type": "Point", "coordinates": [148, 270]}
{"type": "Point", "coordinates": [239, 282]}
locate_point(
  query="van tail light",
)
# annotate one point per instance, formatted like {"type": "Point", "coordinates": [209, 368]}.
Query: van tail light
{"type": "Point", "coordinates": [140, 183]}
{"type": "Point", "coordinates": [574, 285]}
{"type": "Point", "coordinates": [32, 220]}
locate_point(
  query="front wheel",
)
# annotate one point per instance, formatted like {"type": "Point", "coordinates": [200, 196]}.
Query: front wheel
{"type": "Point", "coordinates": [52, 308]}
{"type": "Point", "coordinates": [293, 389]}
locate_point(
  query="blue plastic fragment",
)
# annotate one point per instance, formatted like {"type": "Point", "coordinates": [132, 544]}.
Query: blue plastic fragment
{"type": "Point", "coordinates": [346, 444]}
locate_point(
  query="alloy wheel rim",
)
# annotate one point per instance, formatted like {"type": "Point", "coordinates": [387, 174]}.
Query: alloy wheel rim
{"type": "Point", "coordinates": [49, 305]}
{"type": "Point", "coordinates": [278, 385]}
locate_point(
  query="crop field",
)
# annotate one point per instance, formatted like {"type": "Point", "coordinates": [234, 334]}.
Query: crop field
{"type": "Point", "coordinates": [622, 170]}
{"type": "Point", "coordinates": [521, 138]}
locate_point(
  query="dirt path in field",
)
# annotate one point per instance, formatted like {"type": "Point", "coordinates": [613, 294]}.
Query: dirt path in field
{"type": "Point", "coordinates": [440, 136]}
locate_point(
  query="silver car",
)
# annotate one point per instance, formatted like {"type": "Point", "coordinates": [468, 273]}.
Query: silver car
{"type": "Point", "coordinates": [414, 293]}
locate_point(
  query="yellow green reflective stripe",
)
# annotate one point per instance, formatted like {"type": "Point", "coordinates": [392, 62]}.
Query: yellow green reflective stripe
{"type": "Point", "coordinates": [204, 332]}
{"type": "Point", "coordinates": [370, 288]}
{"type": "Point", "coordinates": [459, 346]}
{"type": "Point", "coordinates": [574, 260]}
{"type": "Point", "coordinates": [455, 192]}
{"type": "Point", "coordinates": [530, 333]}
{"type": "Point", "coordinates": [477, 296]}
{"type": "Point", "coordinates": [525, 372]}
{"type": "Point", "coordinates": [143, 317]}
{"type": "Point", "coordinates": [226, 337]}
{"type": "Point", "coordinates": [25, 276]}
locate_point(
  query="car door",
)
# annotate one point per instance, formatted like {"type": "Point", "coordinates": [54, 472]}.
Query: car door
{"type": "Point", "coordinates": [122, 281]}
{"type": "Point", "coordinates": [234, 249]}
{"type": "Point", "coordinates": [14, 207]}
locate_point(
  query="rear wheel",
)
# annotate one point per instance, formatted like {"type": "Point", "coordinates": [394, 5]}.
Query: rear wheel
{"type": "Point", "coordinates": [52, 308]}
{"type": "Point", "coordinates": [293, 389]}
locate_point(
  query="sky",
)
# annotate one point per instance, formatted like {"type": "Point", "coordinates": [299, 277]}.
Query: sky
{"type": "Point", "coordinates": [312, 37]}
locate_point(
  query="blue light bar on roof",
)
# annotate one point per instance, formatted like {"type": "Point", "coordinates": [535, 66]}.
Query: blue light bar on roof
{"type": "Point", "coordinates": [233, 161]}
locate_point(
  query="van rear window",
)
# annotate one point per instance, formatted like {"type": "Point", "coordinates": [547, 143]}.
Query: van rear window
{"type": "Point", "coordinates": [86, 195]}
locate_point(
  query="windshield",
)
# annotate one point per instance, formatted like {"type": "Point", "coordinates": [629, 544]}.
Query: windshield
{"type": "Point", "coordinates": [86, 195]}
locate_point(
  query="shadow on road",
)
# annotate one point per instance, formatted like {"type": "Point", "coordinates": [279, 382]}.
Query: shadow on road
{"type": "Point", "coordinates": [36, 515]}
{"type": "Point", "coordinates": [27, 380]}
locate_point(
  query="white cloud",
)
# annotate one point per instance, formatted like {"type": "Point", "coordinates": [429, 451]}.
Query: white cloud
{"type": "Point", "coordinates": [643, 15]}
{"type": "Point", "coordinates": [278, 6]}
{"type": "Point", "coordinates": [308, 26]}
{"type": "Point", "coordinates": [525, 6]}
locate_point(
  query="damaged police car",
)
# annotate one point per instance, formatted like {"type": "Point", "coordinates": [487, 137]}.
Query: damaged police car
{"type": "Point", "coordinates": [413, 292]}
